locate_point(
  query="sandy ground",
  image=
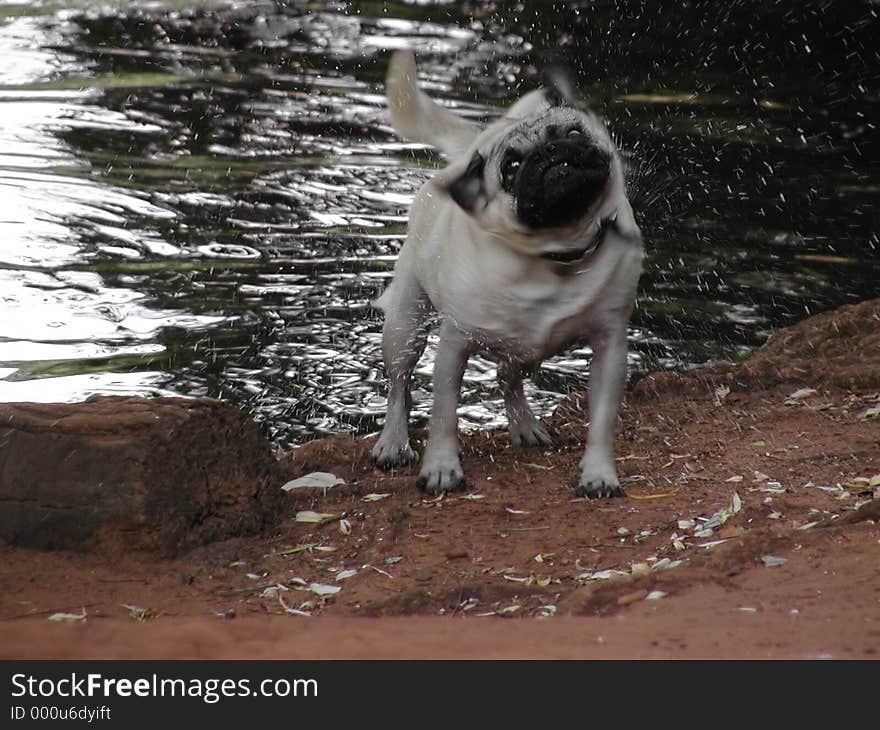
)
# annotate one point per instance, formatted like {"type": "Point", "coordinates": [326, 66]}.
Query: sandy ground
{"type": "Point", "coordinates": [750, 530]}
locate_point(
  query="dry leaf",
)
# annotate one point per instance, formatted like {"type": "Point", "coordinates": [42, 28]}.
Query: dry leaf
{"type": "Point", "coordinates": [136, 612]}
{"type": "Point", "coordinates": [317, 518]}
{"type": "Point", "coordinates": [324, 590]}
{"type": "Point", "coordinates": [68, 616]}
{"type": "Point", "coordinates": [315, 480]}
{"type": "Point", "coordinates": [800, 394]}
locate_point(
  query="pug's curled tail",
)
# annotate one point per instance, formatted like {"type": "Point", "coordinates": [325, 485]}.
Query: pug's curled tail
{"type": "Point", "coordinates": [419, 118]}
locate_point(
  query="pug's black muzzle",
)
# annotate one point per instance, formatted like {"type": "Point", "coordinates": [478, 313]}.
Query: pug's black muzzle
{"type": "Point", "coordinates": [559, 181]}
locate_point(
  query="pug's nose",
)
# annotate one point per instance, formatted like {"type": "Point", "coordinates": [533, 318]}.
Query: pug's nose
{"type": "Point", "coordinates": [579, 152]}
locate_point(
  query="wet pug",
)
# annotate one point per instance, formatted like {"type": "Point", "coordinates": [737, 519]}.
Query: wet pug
{"type": "Point", "coordinates": [523, 244]}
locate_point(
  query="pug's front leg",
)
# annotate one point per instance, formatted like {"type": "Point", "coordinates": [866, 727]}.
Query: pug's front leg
{"type": "Point", "coordinates": [403, 342]}
{"type": "Point", "coordinates": [441, 468]}
{"type": "Point", "coordinates": [598, 472]}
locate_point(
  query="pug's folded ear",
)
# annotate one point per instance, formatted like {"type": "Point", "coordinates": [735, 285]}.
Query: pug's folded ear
{"type": "Point", "coordinates": [560, 87]}
{"type": "Point", "coordinates": [465, 183]}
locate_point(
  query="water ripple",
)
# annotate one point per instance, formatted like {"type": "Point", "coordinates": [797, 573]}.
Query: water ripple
{"type": "Point", "coordinates": [205, 198]}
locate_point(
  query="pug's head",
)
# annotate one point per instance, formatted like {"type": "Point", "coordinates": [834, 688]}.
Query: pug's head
{"type": "Point", "coordinates": [544, 177]}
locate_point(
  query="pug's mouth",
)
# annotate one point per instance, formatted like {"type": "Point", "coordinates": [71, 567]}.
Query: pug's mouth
{"type": "Point", "coordinates": [574, 255]}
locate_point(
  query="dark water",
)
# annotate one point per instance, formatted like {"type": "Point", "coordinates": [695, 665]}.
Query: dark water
{"type": "Point", "coordinates": [203, 198]}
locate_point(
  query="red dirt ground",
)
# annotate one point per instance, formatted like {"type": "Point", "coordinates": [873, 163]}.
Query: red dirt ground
{"type": "Point", "coordinates": [515, 567]}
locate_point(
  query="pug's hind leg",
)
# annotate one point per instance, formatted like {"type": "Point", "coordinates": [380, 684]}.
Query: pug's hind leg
{"type": "Point", "coordinates": [525, 429]}
{"type": "Point", "coordinates": [404, 335]}
{"type": "Point", "coordinates": [441, 468]}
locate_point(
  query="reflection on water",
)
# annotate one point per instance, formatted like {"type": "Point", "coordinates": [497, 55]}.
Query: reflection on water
{"type": "Point", "coordinates": [204, 197]}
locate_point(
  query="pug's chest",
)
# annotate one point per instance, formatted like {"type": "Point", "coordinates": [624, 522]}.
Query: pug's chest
{"type": "Point", "coordinates": [528, 323]}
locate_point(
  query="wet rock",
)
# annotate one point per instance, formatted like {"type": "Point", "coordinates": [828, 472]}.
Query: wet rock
{"type": "Point", "coordinates": [162, 474]}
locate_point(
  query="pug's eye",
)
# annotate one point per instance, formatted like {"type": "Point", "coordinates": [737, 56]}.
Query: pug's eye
{"type": "Point", "coordinates": [509, 171]}
{"type": "Point", "coordinates": [574, 133]}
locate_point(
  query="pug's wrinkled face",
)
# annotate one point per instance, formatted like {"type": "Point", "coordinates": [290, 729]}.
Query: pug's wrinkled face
{"type": "Point", "coordinates": [541, 178]}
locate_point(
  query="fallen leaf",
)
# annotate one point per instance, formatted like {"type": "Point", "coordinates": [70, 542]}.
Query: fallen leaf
{"type": "Point", "coordinates": [508, 610]}
{"type": "Point", "coordinates": [800, 394]}
{"type": "Point", "coordinates": [315, 480]}
{"type": "Point", "coordinates": [318, 518]}
{"type": "Point", "coordinates": [374, 497]}
{"type": "Point", "coordinates": [665, 564]}
{"type": "Point", "coordinates": [322, 589]}
{"type": "Point", "coordinates": [288, 609]}
{"type": "Point", "coordinates": [68, 616]}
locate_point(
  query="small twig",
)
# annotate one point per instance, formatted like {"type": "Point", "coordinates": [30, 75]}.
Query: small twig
{"type": "Point", "coordinates": [379, 570]}
{"type": "Point", "coordinates": [122, 580]}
